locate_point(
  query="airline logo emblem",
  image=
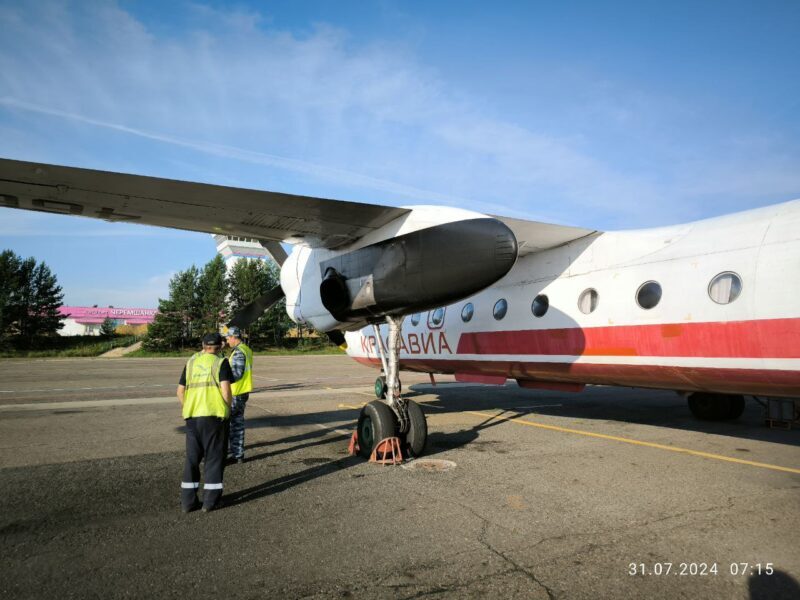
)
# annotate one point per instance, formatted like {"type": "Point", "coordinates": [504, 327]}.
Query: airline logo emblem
{"type": "Point", "coordinates": [432, 342]}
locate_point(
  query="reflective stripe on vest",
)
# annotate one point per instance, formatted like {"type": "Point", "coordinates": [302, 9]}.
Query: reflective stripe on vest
{"type": "Point", "coordinates": [245, 384]}
{"type": "Point", "coordinates": [203, 397]}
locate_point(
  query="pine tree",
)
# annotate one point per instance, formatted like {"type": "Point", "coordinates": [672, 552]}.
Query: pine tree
{"type": "Point", "coordinates": [275, 321]}
{"type": "Point", "coordinates": [108, 327]}
{"type": "Point", "coordinates": [29, 300]}
{"type": "Point", "coordinates": [247, 280]}
{"type": "Point", "coordinates": [177, 322]}
{"type": "Point", "coordinates": [46, 298]}
{"type": "Point", "coordinates": [213, 295]}
{"type": "Point", "coordinates": [9, 290]}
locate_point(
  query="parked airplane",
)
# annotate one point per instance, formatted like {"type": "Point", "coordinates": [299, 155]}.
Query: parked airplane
{"type": "Point", "coordinates": [708, 308]}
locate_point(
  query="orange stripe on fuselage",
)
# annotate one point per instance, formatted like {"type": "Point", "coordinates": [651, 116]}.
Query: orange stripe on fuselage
{"type": "Point", "coordinates": [768, 338]}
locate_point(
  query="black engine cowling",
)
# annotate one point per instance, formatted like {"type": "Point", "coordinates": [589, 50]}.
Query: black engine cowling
{"type": "Point", "coordinates": [417, 271]}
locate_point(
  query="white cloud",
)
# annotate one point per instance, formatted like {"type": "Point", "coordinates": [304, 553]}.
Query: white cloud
{"type": "Point", "coordinates": [321, 111]}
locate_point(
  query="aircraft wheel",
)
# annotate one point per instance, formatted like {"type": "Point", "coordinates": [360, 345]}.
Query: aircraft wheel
{"type": "Point", "coordinates": [710, 407]}
{"type": "Point", "coordinates": [380, 387]}
{"type": "Point", "coordinates": [736, 408]}
{"type": "Point", "coordinates": [375, 423]}
{"type": "Point", "coordinates": [417, 434]}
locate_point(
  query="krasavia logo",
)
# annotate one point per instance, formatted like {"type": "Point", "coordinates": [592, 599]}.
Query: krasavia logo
{"type": "Point", "coordinates": [433, 342]}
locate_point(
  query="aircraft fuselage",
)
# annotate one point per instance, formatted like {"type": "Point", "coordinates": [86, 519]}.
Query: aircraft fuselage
{"type": "Point", "coordinates": [726, 320]}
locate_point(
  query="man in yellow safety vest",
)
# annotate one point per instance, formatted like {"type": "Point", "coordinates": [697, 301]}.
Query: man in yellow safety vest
{"type": "Point", "coordinates": [205, 394]}
{"type": "Point", "coordinates": [241, 360]}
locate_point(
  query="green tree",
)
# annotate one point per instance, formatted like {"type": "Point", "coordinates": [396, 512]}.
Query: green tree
{"type": "Point", "coordinates": [212, 289]}
{"type": "Point", "coordinates": [108, 327]}
{"type": "Point", "coordinates": [249, 279]}
{"type": "Point", "coordinates": [9, 290]}
{"type": "Point", "coordinates": [177, 323]}
{"type": "Point", "coordinates": [30, 298]}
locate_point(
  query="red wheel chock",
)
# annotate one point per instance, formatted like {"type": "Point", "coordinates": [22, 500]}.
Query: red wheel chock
{"type": "Point", "coordinates": [387, 452]}
{"type": "Point", "coordinates": [353, 447]}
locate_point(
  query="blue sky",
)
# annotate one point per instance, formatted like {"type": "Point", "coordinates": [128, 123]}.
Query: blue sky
{"type": "Point", "coordinates": [606, 115]}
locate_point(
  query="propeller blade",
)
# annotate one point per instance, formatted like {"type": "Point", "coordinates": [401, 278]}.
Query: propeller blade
{"type": "Point", "coordinates": [256, 308]}
{"type": "Point", "coordinates": [337, 337]}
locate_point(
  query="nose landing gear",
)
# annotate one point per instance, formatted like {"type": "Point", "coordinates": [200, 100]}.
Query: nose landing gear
{"type": "Point", "coordinates": [397, 417]}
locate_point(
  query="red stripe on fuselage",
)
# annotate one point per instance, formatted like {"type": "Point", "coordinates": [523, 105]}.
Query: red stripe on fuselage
{"type": "Point", "coordinates": [757, 382]}
{"type": "Point", "coordinates": [769, 338]}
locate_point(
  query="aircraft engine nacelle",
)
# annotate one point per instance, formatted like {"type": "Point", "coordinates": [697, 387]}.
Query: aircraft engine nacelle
{"type": "Point", "coordinates": [408, 271]}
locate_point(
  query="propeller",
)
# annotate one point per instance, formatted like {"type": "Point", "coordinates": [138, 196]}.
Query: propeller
{"type": "Point", "coordinates": [244, 317]}
{"type": "Point", "coordinates": [256, 308]}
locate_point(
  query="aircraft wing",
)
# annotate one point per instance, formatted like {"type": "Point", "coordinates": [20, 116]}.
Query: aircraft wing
{"type": "Point", "coordinates": [267, 216]}
{"type": "Point", "coordinates": [191, 206]}
{"type": "Point", "coordinates": [533, 236]}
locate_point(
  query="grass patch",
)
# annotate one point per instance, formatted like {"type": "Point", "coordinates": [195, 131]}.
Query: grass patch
{"type": "Point", "coordinates": [142, 353]}
{"type": "Point", "coordinates": [283, 351]}
{"type": "Point", "coordinates": [67, 347]}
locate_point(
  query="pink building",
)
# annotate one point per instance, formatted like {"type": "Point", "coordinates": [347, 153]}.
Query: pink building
{"type": "Point", "coordinates": [86, 320]}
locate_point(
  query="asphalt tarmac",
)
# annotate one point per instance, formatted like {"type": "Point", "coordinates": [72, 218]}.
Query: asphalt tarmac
{"type": "Point", "coordinates": [611, 493]}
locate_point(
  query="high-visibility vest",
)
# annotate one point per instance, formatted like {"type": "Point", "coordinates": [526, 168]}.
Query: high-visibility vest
{"type": "Point", "coordinates": [245, 384]}
{"type": "Point", "coordinates": [203, 397]}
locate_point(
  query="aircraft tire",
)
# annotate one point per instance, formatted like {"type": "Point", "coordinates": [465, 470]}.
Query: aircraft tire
{"type": "Point", "coordinates": [736, 408]}
{"type": "Point", "coordinates": [710, 407]}
{"type": "Point", "coordinates": [417, 435]}
{"type": "Point", "coordinates": [376, 422]}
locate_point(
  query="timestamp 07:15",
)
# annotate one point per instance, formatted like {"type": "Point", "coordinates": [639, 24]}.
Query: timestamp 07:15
{"type": "Point", "coordinates": [700, 569]}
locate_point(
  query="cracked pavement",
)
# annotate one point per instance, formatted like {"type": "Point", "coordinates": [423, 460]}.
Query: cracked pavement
{"type": "Point", "coordinates": [90, 507]}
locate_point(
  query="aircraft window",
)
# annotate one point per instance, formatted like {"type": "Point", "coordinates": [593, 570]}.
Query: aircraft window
{"type": "Point", "coordinates": [725, 287]}
{"type": "Point", "coordinates": [415, 319]}
{"type": "Point", "coordinates": [588, 301]}
{"type": "Point", "coordinates": [648, 295]}
{"type": "Point", "coordinates": [540, 305]}
{"type": "Point", "coordinates": [437, 316]}
{"type": "Point", "coordinates": [467, 312]}
{"type": "Point", "coordinates": [500, 309]}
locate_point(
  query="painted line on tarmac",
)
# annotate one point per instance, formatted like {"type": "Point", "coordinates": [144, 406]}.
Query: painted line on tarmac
{"type": "Point", "coordinates": [352, 407]}
{"type": "Point", "coordinates": [84, 389]}
{"type": "Point", "coordinates": [531, 407]}
{"type": "Point", "coordinates": [90, 403]}
{"type": "Point", "coordinates": [615, 438]}
{"type": "Point", "coordinates": [306, 392]}
{"type": "Point", "coordinates": [437, 407]}
{"type": "Point", "coordinates": [169, 399]}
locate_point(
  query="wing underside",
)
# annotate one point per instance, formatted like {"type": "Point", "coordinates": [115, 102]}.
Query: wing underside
{"type": "Point", "coordinates": [261, 215]}
{"type": "Point", "coordinates": [192, 206]}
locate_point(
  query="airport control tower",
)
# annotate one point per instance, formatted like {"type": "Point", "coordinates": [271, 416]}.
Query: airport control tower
{"type": "Point", "coordinates": [234, 248]}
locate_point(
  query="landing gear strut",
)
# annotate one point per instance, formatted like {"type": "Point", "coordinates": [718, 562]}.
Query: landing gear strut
{"type": "Point", "coordinates": [397, 417]}
{"type": "Point", "coordinates": [716, 407]}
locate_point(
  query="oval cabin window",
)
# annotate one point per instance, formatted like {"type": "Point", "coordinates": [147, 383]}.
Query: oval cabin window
{"type": "Point", "coordinates": [500, 309]}
{"type": "Point", "coordinates": [725, 287]}
{"type": "Point", "coordinates": [648, 295]}
{"type": "Point", "coordinates": [588, 301]}
{"type": "Point", "coordinates": [437, 316]}
{"type": "Point", "coordinates": [415, 319]}
{"type": "Point", "coordinates": [467, 312]}
{"type": "Point", "coordinates": [540, 305]}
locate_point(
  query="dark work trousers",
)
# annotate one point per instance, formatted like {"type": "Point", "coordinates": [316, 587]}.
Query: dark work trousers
{"type": "Point", "coordinates": [206, 438]}
{"type": "Point", "coordinates": [236, 446]}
